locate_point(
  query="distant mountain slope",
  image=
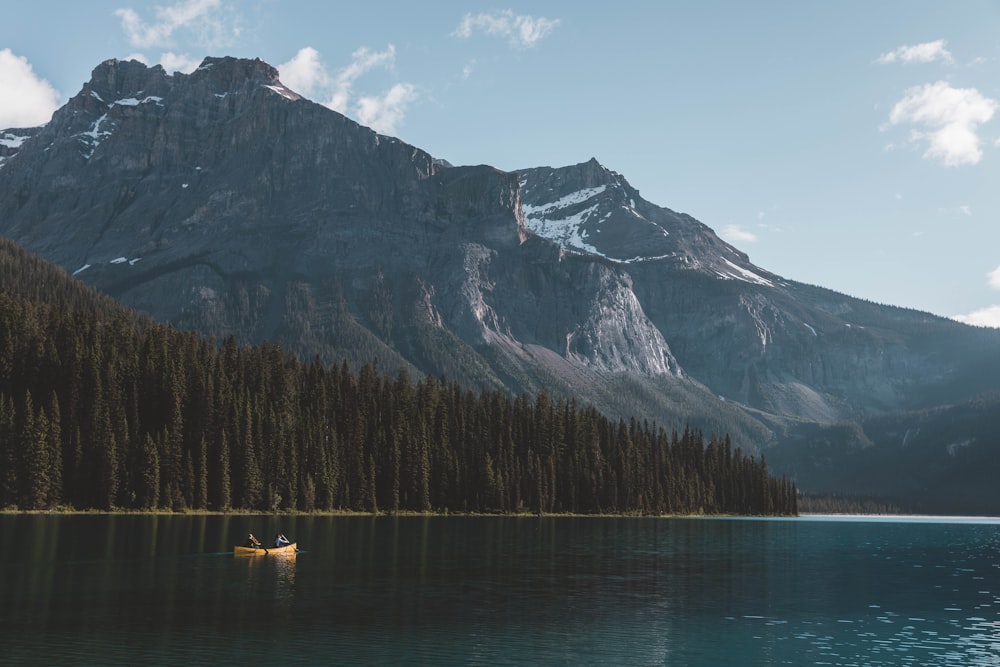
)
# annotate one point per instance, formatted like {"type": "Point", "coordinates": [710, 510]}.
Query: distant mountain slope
{"type": "Point", "coordinates": [222, 201]}
{"type": "Point", "coordinates": [938, 460]}
{"type": "Point", "coordinates": [770, 343]}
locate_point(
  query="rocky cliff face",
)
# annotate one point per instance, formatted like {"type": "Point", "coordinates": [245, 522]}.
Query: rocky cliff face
{"type": "Point", "coordinates": [754, 337]}
{"type": "Point", "coordinates": [224, 202]}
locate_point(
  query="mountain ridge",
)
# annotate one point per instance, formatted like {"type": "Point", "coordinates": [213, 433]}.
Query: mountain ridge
{"type": "Point", "coordinates": [223, 202]}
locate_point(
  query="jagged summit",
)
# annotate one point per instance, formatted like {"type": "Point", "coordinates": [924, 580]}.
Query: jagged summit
{"type": "Point", "coordinates": [591, 209]}
{"type": "Point", "coordinates": [122, 79]}
{"type": "Point", "coordinates": [228, 68]}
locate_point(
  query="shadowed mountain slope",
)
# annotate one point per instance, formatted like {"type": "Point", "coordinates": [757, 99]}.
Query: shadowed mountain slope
{"type": "Point", "coordinates": [221, 201]}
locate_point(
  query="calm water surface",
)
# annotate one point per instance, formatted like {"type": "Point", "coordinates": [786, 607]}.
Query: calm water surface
{"type": "Point", "coordinates": [485, 591]}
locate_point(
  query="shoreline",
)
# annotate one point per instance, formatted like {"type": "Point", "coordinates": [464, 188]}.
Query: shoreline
{"type": "Point", "coordinates": [350, 513]}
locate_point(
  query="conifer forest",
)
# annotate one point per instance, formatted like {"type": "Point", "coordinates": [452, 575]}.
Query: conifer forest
{"type": "Point", "coordinates": [102, 408]}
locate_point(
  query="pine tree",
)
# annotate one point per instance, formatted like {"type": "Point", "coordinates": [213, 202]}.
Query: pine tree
{"type": "Point", "coordinates": [148, 490]}
{"type": "Point", "coordinates": [55, 446]}
{"type": "Point", "coordinates": [9, 452]}
{"type": "Point", "coordinates": [37, 463]}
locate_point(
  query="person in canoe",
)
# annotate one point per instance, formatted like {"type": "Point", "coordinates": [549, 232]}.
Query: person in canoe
{"type": "Point", "coordinates": [252, 541]}
{"type": "Point", "coordinates": [280, 540]}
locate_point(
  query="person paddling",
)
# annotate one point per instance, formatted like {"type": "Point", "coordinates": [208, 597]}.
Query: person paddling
{"type": "Point", "coordinates": [280, 540]}
{"type": "Point", "coordinates": [252, 541]}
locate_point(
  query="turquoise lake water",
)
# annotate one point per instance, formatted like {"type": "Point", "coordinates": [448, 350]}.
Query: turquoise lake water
{"type": "Point", "coordinates": [96, 589]}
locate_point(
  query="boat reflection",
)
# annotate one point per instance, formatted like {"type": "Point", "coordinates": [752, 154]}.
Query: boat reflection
{"type": "Point", "coordinates": [269, 577]}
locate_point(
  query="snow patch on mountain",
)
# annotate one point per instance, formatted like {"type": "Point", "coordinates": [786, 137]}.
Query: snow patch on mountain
{"type": "Point", "coordinates": [93, 137]}
{"type": "Point", "coordinates": [955, 447]}
{"type": "Point", "coordinates": [134, 102]}
{"type": "Point", "coordinates": [551, 222]}
{"type": "Point", "coordinates": [284, 92]}
{"type": "Point", "coordinates": [642, 258]}
{"type": "Point", "coordinates": [11, 140]}
{"type": "Point", "coordinates": [745, 275]}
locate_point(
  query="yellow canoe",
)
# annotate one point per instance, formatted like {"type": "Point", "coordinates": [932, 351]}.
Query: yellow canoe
{"type": "Point", "coordinates": [287, 550]}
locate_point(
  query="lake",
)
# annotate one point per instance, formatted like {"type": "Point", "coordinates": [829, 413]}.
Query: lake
{"type": "Point", "coordinates": [137, 589]}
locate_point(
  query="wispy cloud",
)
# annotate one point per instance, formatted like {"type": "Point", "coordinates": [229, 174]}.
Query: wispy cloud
{"type": "Point", "coordinates": [984, 317]}
{"type": "Point", "coordinates": [736, 234]}
{"type": "Point", "coordinates": [179, 62]}
{"type": "Point", "coordinates": [521, 31]}
{"type": "Point", "coordinates": [918, 53]}
{"type": "Point", "coordinates": [947, 119]}
{"type": "Point", "coordinates": [305, 73]}
{"type": "Point", "coordinates": [993, 278]}
{"type": "Point", "coordinates": [990, 315]}
{"type": "Point", "coordinates": [204, 20]}
{"type": "Point", "coordinates": [363, 60]}
{"type": "Point", "coordinates": [26, 99]}
{"type": "Point", "coordinates": [206, 23]}
{"type": "Point", "coordinates": [386, 112]}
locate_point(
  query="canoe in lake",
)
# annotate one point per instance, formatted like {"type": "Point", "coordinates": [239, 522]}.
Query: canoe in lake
{"type": "Point", "coordinates": [287, 550]}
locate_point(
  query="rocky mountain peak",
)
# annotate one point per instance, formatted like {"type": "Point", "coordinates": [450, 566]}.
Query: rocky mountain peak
{"type": "Point", "coordinates": [121, 79]}
{"type": "Point", "coordinates": [228, 69]}
{"type": "Point", "coordinates": [590, 209]}
{"type": "Point", "coordinates": [223, 76]}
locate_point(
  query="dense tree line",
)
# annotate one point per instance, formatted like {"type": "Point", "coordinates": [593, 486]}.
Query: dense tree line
{"type": "Point", "coordinates": [839, 504]}
{"type": "Point", "coordinates": [100, 408]}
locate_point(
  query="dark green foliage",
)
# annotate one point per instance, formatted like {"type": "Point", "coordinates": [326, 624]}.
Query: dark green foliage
{"type": "Point", "coordinates": [142, 416]}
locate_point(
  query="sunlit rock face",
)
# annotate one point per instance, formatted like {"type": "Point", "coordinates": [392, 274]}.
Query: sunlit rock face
{"type": "Point", "coordinates": [224, 202]}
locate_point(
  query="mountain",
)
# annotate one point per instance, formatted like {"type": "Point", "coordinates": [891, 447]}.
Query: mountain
{"type": "Point", "coordinates": [103, 408]}
{"type": "Point", "coordinates": [221, 201]}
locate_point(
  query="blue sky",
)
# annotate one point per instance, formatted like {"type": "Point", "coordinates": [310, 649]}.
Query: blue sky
{"type": "Point", "coordinates": [850, 144]}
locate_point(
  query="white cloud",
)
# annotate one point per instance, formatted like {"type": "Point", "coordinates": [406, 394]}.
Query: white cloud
{"type": "Point", "coordinates": [190, 14]}
{"type": "Point", "coordinates": [363, 60]}
{"type": "Point", "coordinates": [994, 278]}
{"type": "Point", "coordinates": [174, 62]}
{"type": "Point", "coordinates": [208, 24]}
{"type": "Point", "coordinates": [948, 119]}
{"type": "Point", "coordinates": [171, 62]}
{"type": "Point", "coordinates": [962, 209]}
{"type": "Point", "coordinates": [520, 30]}
{"type": "Point", "coordinates": [306, 74]}
{"type": "Point", "coordinates": [736, 234]}
{"type": "Point", "coordinates": [383, 113]}
{"type": "Point", "coordinates": [984, 317]}
{"type": "Point", "coordinates": [26, 100]}
{"type": "Point", "coordinates": [990, 315]}
{"type": "Point", "coordinates": [918, 53]}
